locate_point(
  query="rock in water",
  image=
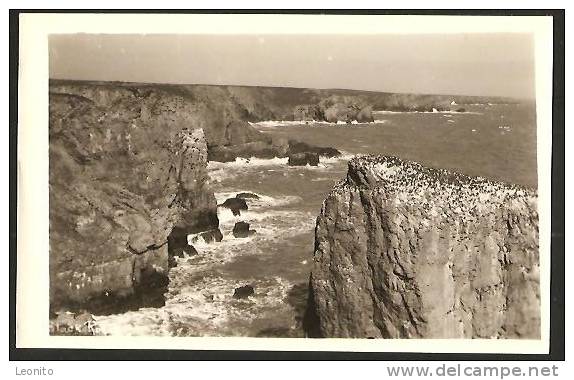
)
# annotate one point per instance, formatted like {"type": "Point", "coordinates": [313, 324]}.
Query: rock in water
{"type": "Point", "coordinates": [302, 159]}
{"type": "Point", "coordinates": [341, 112]}
{"type": "Point", "coordinates": [312, 159]}
{"type": "Point", "coordinates": [302, 147]}
{"type": "Point", "coordinates": [297, 159]}
{"type": "Point", "coordinates": [235, 205]}
{"type": "Point", "coordinates": [241, 230]}
{"type": "Point", "coordinates": [247, 196]}
{"type": "Point", "coordinates": [405, 251]}
{"type": "Point", "coordinates": [179, 247]}
{"type": "Point", "coordinates": [211, 236]}
{"type": "Point", "coordinates": [243, 292]}
{"type": "Point", "coordinates": [365, 115]}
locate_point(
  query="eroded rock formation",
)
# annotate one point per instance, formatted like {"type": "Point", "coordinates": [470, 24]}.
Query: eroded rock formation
{"type": "Point", "coordinates": [242, 230]}
{"type": "Point", "coordinates": [405, 251]}
{"type": "Point", "coordinates": [334, 112]}
{"type": "Point", "coordinates": [302, 159]}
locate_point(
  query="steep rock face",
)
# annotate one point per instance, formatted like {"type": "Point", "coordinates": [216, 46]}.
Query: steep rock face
{"type": "Point", "coordinates": [123, 182]}
{"type": "Point", "coordinates": [308, 112]}
{"type": "Point", "coordinates": [223, 113]}
{"type": "Point", "coordinates": [404, 251]}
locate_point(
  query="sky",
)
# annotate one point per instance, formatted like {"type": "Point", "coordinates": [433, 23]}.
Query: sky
{"type": "Point", "coordinates": [454, 64]}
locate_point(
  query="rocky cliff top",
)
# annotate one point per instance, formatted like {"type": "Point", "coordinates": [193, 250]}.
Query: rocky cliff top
{"type": "Point", "coordinates": [422, 186]}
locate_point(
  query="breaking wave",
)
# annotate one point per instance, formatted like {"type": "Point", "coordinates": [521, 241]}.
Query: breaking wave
{"type": "Point", "coordinates": [290, 123]}
{"type": "Point", "coordinates": [202, 306]}
{"type": "Point", "coordinates": [200, 298]}
{"type": "Point", "coordinates": [382, 112]}
{"type": "Point", "coordinates": [222, 171]}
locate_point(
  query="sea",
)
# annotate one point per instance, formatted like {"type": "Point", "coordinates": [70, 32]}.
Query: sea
{"type": "Point", "coordinates": [496, 141]}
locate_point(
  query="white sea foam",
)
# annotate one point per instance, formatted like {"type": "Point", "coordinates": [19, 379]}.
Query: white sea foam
{"type": "Point", "coordinates": [200, 298]}
{"type": "Point", "coordinates": [344, 156]}
{"type": "Point", "coordinates": [204, 306]}
{"type": "Point", "coordinates": [320, 179]}
{"type": "Point", "coordinates": [245, 162]}
{"type": "Point", "coordinates": [382, 112]}
{"type": "Point", "coordinates": [267, 163]}
{"type": "Point", "coordinates": [272, 227]}
{"type": "Point", "coordinates": [289, 123]}
{"type": "Point", "coordinates": [264, 201]}
{"type": "Point", "coordinates": [279, 123]}
{"type": "Point", "coordinates": [265, 216]}
{"type": "Point", "coordinates": [221, 171]}
{"type": "Point", "coordinates": [491, 104]}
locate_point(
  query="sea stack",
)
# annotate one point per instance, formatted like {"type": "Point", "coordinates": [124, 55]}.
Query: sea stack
{"type": "Point", "coordinates": [406, 251]}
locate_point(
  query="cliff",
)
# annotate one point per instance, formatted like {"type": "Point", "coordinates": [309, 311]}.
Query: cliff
{"type": "Point", "coordinates": [122, 183]}
{"type": "Point", "coordinates": [405, 251]}
{"type": "Point", "coordinates": [221, 112]}
{"type": "Point", "coordinates": [224, 104]}
{"type": "Point", "coordinates": [128, 180]}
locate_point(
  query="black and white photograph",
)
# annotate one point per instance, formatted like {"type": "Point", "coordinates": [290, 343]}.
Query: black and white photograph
{"type": "Point", "coordinates": [384, 185]}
